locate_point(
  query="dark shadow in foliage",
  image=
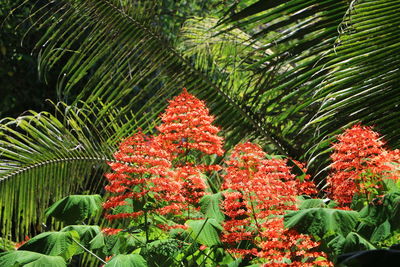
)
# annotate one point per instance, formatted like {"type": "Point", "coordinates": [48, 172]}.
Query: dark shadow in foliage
{"type": "Point", "coordinates": [371, 258]}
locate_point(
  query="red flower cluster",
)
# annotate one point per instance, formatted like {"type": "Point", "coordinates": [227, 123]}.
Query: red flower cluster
{"type": "Point", "coordinates": [110, 231]}
{"type": "Point", "coordinates": [360, 162]}
{"type": "Point", "coordinates": [142, 167]}
{"type": "Point", "coordinates": [258, 192]}
{"type": "Point", "coordinates": [159, 167]}
{"type": "Point", "coordinates": [304, 185]}
{"type": "Point", "coordinates": [193, 185]}
{"type": "Point", "coordinates": [188, 125]}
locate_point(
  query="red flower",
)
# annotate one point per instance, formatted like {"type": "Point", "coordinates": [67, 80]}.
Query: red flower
{"type": "Point", "coordinates": [360, 162]}
{"type": "Point", "coordinates": [143, 167]}
{"type": "Point", "coordinates": [187, 125]}
{"type": "Point", "coordinates": [193, 185]}
{"type": "Point", "coordinates": [258, 192]}
{"type": "Point", "coordinates": [19, 244]}
{"type": "Point", "coordinates": [110, 231]}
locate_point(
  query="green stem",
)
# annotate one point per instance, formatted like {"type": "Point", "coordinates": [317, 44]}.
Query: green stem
{"type": "Point", "coordinates": [146, 227]}
{"type": "Point", "coordinates": [254, 215]}
{"type": "Point", "coordinates": [88, 251]}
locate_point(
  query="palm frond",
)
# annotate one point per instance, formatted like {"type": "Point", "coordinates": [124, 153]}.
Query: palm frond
{"type": "Point", "coordinates": [45, 157]}
{"type": "Point", "coordinates": [363, 79]}
{"type": "Point", "coordinates": [297, 36]}
{"type": "Point", "coordinates": [119, 58]}
{"type": "Point", "coordinates": [336, 59]}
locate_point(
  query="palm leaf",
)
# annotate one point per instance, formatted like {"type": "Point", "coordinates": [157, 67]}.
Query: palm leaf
{"type": "Point", "coordinates": [343, 66]}
{"type": "Point", "coordinates": [45, 157]}
{"type": "Point", "coordinates": [363, 79]}
{"type": "Point", "coordinates": [115, 55]}
{"type": "Point", "coordinates": [299, 34]}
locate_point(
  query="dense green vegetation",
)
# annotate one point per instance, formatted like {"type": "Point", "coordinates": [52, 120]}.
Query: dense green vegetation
{"type": "Point", "coordinates": [289, 75]}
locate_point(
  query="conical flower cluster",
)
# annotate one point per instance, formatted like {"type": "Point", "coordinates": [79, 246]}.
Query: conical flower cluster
{"type": "Point", "coordinates": [157, 169]}
{"type": "Point", "coordinates": [360, 162]}
{"type": "Point", "coordinates": [142, 167]}
{"type": "Point", "coordinates": [258, 192]}
{"type": "Point", "coordinates": [187, 125]}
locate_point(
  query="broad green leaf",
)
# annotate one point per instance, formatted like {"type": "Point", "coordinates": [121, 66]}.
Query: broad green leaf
{"type": "Point", "coordinates": [375, 214]}
{"type": "Point", "coordinates": [352, 242]}
{"type": "Point", "coordinates": [163, 251]}
{"type": "Point", "coordinates": [75, 208]}
{"type": "Point", "coordinates": [115, 244]}
{"type": "Point", "coordinates": [54, 244]}
{"type": "Point", "coordinates": [312, 203]}
{"type": "Point", "coordinates": [381, 232]}
{"type": "Point", "coordinates": [130, 260]}
{"type": "Point", "coordinates": [205, 231]}
{"type": "Point", "coordinates": [210, 207]}
{"type": "Point", "coordinates": [86, 234]}
{"type": "Point", "coordinates": [322, 222]}
{"type": "Point", "coordinates": [31, 259]}
{"type": "Point", "coordinates": [98, 241]}
{"type": "Point", "coordinates": [336, 245]}
{"type": "Point", "coordinates": [355, 242]}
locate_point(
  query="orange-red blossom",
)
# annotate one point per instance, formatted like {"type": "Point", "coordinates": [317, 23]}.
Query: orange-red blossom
{"type": "Point", "coordinates": [258, 192]}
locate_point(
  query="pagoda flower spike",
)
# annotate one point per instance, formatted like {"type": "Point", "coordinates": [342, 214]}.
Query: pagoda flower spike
{"type": "Point", "coordinates": [360, 163]}
{"type": "Point", "coordinates": [142, 167]}
{"type": "Point", "coordinates": [187, 125]}
{"type": "Point", "coordinates": [187, 133]}
{"type": "Point", "coordinates": [258, 191]}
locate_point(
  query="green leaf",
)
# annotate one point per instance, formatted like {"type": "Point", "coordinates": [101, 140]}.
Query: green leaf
{"type": "Point", "coordinates": [87, 233]}
{"type": "Point", "coordinates": [355, 242]}
{"type": "Point", "coordinates": [130, 260]}
{"type": "Point", "coordinates": [374, 215]}
{"type": "Point", "coordinates": [163, 251]}
{"type": "Point", "coordinates": [312, 203]}
{"type": "Point", "coordinates": [210, 207]}
{"type": "Point", "coordinates": [322, 222]}
{"type": "Point", "coordinates": [382, 232]}
{"type": "Point", "coordinates": [205, 232]}
{"type": "Point", "coordinates": [97, 242]}
{"type": "Point", "coordinates": [75, 208]}
{"type": "Point", "coordinates": [31, 259]}
{"type": "Point", "coordinates": [336, 245]}
{"type": "Point", "coordinates": [54, 244]}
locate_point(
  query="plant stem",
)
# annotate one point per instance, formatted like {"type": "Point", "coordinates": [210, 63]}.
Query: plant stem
{"type": "Point", "coordinates": [88, 251]}
{"type": "Point", "coordinates": [146, 228]}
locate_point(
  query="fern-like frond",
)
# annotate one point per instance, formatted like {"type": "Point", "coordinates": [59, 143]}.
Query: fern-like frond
{"type": "Point", "coordinates": [45, 157]}
{"type": "Point", "coordinates": [115, 55]}
{"type": "Point", "coordinates": [295, 36]}
{"type": "Point", "coordinates": [363, 79]}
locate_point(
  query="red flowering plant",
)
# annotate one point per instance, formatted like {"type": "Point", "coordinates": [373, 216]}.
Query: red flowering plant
{"type": "Point", "coordinates": [363, 213]}
{"type": "Point", "coordinates": [164, 174]}
{"type": "Point", "coordinates": [258, 192]}
{"type": "Point", "coordinates": [141, 182]}
{"type": "Point", "coordinates": [162, 210]}
{"type": "Point", "coordinates": [360, 166]}
{"type": "Point", "coordinates": [187, 134]}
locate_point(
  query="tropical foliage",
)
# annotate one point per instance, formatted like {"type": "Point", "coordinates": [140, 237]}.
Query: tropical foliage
{"type": "Point", "coordinates": [290, 75]}
{"type": "Point", "coordinates": [166, 200]}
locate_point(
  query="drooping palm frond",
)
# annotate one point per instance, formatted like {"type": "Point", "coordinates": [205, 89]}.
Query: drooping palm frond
{"type": "Point", "coordinates": [299, 34]}
{"type": "Point", "coordinates": [228, 55]}
{"type": "Point", "coordinates": [44, 157]}
{"type": "Point", "coordinates": [118, 57]}
{"type": "Point", "coordinates": [341, 60]}
{"type": "Point", "coordinates": [364, 73]}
